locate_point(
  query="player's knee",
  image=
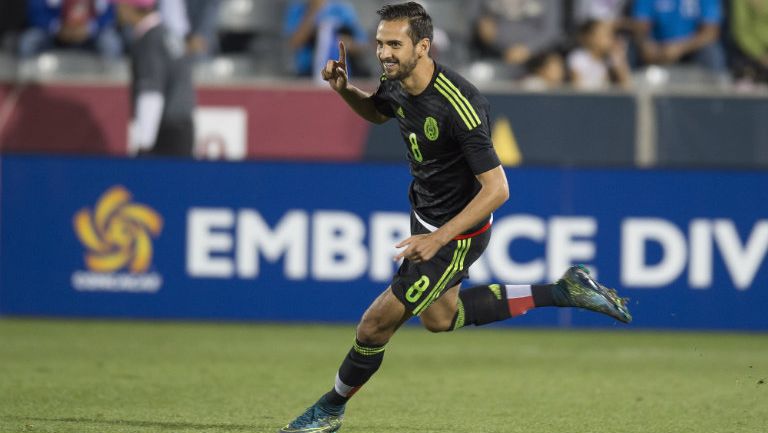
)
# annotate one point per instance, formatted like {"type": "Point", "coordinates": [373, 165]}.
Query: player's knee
{"type": "Point", "coordinates": [373, 331]}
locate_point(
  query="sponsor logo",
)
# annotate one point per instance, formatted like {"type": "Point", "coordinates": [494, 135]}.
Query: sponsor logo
{"type": "Point", "coordinates": [430, 129]}
{"type": "Point", "coordinates": [117, 236]}
{"type": "Point", "coordinates": [336, 245]}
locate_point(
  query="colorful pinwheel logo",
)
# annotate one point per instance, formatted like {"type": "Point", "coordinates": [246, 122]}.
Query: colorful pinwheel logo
{"type": "Point", "coordinates": [118, 234]}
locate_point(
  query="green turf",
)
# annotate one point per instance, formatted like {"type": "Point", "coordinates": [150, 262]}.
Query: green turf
{"type": "Point", "coordinates": [70, 376]}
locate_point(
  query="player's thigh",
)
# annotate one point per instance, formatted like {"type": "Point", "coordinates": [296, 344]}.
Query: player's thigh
{"type": "Point", "coordinates": [439, 316]}
{"type": "Point", "coordinates": [382, 319]}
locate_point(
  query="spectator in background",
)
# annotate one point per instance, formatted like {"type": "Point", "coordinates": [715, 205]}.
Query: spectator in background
{"type": "Point", "coordinates": [600, 58]}
{"type": "Point", "coordinates": [314, 28]}
{"type": "Point", "coordinates": [601, 10]}
{"type": "Point", "coordinates": [671, 31]}
{"type": "Point", "coordinates": [515, 30]}
{"type": "Point", "coordinates": [749, 28]}
{"type": "Point", "coordinates": [545, 71]}
{"type": "Point", "coordinates": [161, 83]}
{"type": "Point", "coordinates": [83, 24]}
{"type": "Point", "coordinates": [203, 21]}
{"type": "Point", "coordinates": [614, 11]}
{"type": "Point", "coordinates": [175, 16]}
{"type": "Point", "coordinates": [195, 21]}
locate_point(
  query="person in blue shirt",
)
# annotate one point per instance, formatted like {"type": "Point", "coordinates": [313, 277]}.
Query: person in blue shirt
{"type": "Point", "coordinates": [313, 29]}
{"type": "Point", "coordinates": [671, 31]}
{"type": "Point", "coordinates": [85, 24]}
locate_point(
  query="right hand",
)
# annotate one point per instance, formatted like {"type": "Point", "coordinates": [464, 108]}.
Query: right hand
{"type": "Point", "coordinates": [196, 44]}
{"type": "Point", "coordinates": [335, 72]}
{"type": "Point", "coordinates": [517, 54]}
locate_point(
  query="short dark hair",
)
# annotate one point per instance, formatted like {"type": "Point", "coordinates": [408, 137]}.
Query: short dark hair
{"type": "Point", "coordinates": [587, 27]}
{"type": "Point", "coordinates": [419, 21]}
{"type": "Point", "coordinates": [539, 60]}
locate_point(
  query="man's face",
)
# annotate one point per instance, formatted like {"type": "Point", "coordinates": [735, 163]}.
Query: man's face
{"type": "Point", "coordinates": [395, 50]}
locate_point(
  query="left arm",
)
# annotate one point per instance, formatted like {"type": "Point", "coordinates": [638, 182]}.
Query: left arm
{"type": "Point", "coordinates": [619, 65]}
{"type": "Point", "coordinates": [707, 34]}
{"type": "Point", "coordinates": [151, 76]}
{"type": "Point", "coordinates": [494, 191]}
{"type": "Point", "coordinates": [202, 22]}
{"type": "Point", "coordinates": [149, 112]}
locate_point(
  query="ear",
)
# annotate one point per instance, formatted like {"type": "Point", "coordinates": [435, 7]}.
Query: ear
{"type": "Point", "coordinates": [423, 47]}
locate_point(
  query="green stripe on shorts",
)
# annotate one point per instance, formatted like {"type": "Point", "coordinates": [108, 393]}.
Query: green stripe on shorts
{"type": "Point", "coordinates": [456, 265]}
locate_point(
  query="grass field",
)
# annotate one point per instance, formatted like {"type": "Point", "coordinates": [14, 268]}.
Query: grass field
{"type": "Point", "coordinates": [72, 376]}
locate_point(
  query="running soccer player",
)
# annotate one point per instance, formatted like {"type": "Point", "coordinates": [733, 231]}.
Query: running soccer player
{"type": "Point", "coordinates": [457, 183]}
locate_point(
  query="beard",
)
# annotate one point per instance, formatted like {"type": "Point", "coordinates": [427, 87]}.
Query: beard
{"type": "Point", "coordinates": [403, 71]}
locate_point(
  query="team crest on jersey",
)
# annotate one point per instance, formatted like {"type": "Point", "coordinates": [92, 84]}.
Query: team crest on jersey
{"type": "Point", "coordinates": [400, 112]}
{"type": "Point", "coordinates": [430, 129]}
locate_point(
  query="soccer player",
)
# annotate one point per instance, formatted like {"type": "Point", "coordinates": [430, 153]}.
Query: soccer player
{"type": "Point", "coordinates": [458, 183]}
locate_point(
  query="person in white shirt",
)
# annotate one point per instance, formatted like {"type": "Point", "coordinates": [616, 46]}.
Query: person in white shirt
{"type": "Point", "coordinates": [600, 59]}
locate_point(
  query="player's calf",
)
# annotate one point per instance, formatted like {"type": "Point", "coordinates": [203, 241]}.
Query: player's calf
{"type": "Point", "coordinates": [486, 304]}
{"type": "Point", "coordinates": [482, 305]}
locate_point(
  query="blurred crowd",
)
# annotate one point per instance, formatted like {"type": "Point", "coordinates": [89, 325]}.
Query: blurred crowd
{"type": "Point", "coordinates": [539, 44]}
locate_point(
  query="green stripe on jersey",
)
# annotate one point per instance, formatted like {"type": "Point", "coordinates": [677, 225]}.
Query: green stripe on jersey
{"type": "Point", "coordinates": [459, 109]}
{"type": "Point", "coordinates": [458, 92]}
{"type": "Point", "coordinates": [465, 108]}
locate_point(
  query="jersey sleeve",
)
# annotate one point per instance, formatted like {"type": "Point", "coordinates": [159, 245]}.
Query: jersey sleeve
{"type": "Point", "coordinates": [711, 11]}
{"type": "Point", "coordinates": [642, 10]}
{"type": "Point", "coordinates": [473, 132]}
{"type": "Point", "coordinates": [381, 99]}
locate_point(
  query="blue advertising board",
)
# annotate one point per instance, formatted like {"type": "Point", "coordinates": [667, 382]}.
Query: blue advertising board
{"type": "Point", "coordinates": [174, 239]}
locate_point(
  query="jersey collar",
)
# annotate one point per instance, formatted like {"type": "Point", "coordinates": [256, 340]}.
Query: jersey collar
{"type": "Point", "coordinates": [430, 86]}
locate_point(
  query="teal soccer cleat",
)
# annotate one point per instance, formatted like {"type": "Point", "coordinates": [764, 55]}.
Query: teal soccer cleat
{"type": "Point", "coordinates": [578, 289]}
{"type": "Point", "coordinates": [315, 420]}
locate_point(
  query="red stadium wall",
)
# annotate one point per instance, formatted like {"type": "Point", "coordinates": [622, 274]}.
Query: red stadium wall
{"type": "Point", "coordinates": [303, 122]}
{"type": "Point", "coordinates": [279, 120]}
{"type": "Point", "coordinates": [93, 119]}
{"type": "Point", "coordinates": [67, 119]}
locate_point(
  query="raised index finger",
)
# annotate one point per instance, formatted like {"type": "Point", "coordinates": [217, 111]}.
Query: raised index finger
{"type": "Point", "coordinates": [342, 53]}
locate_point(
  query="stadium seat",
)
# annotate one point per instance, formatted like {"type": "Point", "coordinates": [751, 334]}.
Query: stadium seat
{"type": "Point", "coordinates": [238, 67]}
{"type": "Point", "coordinates": [224, 68]}
{"type": "Point", "coordinates": [70, 64]}
{"type": "Point", "coordinates": [251, 16]}
{"type": "Point", "coordinates": [679, 77]}
{"type": "Point", "coordinates": [486, 71]}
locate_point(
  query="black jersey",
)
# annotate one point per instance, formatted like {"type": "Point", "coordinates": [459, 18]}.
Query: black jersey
{"type": "Point", "coordinates": [446, 130]}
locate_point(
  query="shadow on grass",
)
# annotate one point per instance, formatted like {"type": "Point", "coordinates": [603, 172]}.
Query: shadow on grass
{"type": "Point", "coordinates": [139, 423]}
